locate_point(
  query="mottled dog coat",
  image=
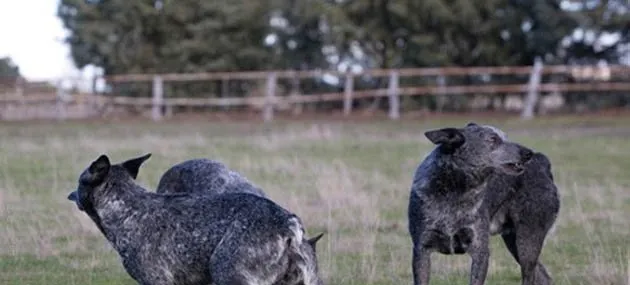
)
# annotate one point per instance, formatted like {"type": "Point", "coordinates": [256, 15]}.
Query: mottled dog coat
{"type": "Point", "coordinates": [205, 175]}
{"type": "Point", "coordinates": [448, 212]}
{"type": "Point", "coordinates": [193, 238]}
{"type": "Point", "coordinates": [523, 209]}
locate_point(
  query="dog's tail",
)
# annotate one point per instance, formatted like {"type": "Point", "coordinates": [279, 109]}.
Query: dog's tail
{"type": "Point", "coordinates": [302, 254]}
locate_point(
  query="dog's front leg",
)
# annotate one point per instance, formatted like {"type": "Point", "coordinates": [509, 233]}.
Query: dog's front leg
{"type": "Point", "coordinates": [480, 254]}
{"type": "Point", "coordinates": [421, 265]}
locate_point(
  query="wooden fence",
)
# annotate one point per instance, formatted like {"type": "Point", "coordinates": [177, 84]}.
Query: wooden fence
{"type": "Point", "coordinates": [23, 100]}
{"type": "Point", "coordinates": [615, 78]}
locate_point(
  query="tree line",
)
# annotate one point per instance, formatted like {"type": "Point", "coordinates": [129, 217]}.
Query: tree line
{"type": "Point", "coordinates": [167, 36]}
{"type": "Point", "coordinates": [193, 35]}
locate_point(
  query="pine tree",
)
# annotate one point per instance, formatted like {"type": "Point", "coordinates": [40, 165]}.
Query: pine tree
{"type": "Point", "coordinates": [599, 20]}
{"type": "Point", "coordinates": [8, 69]}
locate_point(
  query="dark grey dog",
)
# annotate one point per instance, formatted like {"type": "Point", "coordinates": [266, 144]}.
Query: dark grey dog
{"type": "Point", "coordinates": [205, 175]}
{"type": "Point", "coordinates": [193, 238]}
{"type": "Point", "coordinates": [448, 211]}
{"type": "Point", "coordinates": [523, 210]}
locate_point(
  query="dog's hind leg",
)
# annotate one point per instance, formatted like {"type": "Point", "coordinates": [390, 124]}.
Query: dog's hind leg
{"type": "Point", "coordinates": [232, 280]}
{"type": "Point", "coordinates": [542, 276]}
{"type": "Point", "coordinates": [526, 248]}
{"type": "Point", "coordinates": [421, 265]}
{"type": "Point", "coordinates": [232, 272]}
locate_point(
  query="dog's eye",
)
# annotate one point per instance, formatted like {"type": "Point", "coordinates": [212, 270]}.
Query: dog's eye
{"type": "Point", "coordinates": [495, 139]}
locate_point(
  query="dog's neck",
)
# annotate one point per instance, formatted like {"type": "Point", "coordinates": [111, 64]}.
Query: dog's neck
{"type": "Point", "coordinates": [114, 210]}
{"type": "Point", "coordinates": [449, 176]}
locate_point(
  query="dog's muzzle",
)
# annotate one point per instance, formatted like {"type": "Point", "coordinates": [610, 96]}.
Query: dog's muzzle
{"type": "Point", "coordinates": [74, 197]}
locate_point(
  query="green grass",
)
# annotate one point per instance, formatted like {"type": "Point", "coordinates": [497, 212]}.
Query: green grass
{"type": "Point", "coordinates": [349, 179]}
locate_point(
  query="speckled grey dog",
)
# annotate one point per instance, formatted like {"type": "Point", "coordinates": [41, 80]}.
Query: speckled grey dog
{"type": "Point", "coordinates": [448, 212]}
{"type": "Point", "coordinates": [523, 209]}
{"type": "Point", "coordinates": [205, 175]}
{"type": "Point", "coordinates": [194, 238]}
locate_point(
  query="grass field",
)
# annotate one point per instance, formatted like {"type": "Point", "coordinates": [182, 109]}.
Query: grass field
{"type": "Point", "coordinates": [350, 179]}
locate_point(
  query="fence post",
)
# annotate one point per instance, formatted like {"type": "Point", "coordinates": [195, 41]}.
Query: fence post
{"type": "Point", "coordinates": [94, 84]}
{"type": "Point", "coordinates": [394, 99]}
{"type": "Point", "coordinates": [440, 98]}
{"type": "Point", "coordinates": [269, 97]}
{"type": "Point", "coordinates": [295, 93]}
{"type": "Point", "coordinates": [19, 86]}
{"type": "Point", "coordinates": [532, 90]}
{"type": "Point", "coordinates": [60, 102]}
{"type": "Point", "coordinates": [19, 89]}
{"type": "Point", "coordinates": [225, 91]}
{"type": "Point", "coordinates": [347, 94]}
{"type": "Point", "coordinates": [158, 98]}
{"type": "Point", "coordinates": [91, 102]}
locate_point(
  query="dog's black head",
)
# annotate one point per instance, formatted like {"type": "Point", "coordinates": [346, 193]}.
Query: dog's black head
{"type": "Point", "coordinates": [93, 178]}
{"type": "Point", "coordinates": [480, 147]}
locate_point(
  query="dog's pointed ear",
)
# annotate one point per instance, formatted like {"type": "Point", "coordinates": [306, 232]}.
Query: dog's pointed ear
{"type": "Point", "coordinates": [73, 196]}
{"type": "Point", "coordinates": [133, 165]}
{"type": "Point", "coordinates": [313, 241]}
{"type": "Point", "coordinates": [449, 138]}
{"type": "Point", "coordinates": [99, 168]}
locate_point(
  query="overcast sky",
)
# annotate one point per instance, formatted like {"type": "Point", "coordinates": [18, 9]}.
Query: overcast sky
{"type": "Point", "coordinates": [32, 35]}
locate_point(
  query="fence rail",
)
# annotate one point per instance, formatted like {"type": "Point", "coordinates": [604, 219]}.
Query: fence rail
{"type": "Point", "coordinates": [614, 78]}
{"type": "Point", "coordinates": [404, 72]}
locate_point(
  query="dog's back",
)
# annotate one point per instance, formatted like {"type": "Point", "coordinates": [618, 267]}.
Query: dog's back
{"type": "Point", "coordinates": [532, 195]}
{"type": "Point", "coordinates": [197, 238]}
{"type": "Point", "coordinates": [264, 242]}
{"type": "Point", "coordinates": [205, 175]}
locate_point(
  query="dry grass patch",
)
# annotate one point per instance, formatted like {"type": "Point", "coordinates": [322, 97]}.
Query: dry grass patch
{"type": "Point", "coordinates": [350, 180]}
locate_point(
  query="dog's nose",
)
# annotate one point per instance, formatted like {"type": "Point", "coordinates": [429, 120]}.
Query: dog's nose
{"type": "Point", "coordinates": [526, 154]}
